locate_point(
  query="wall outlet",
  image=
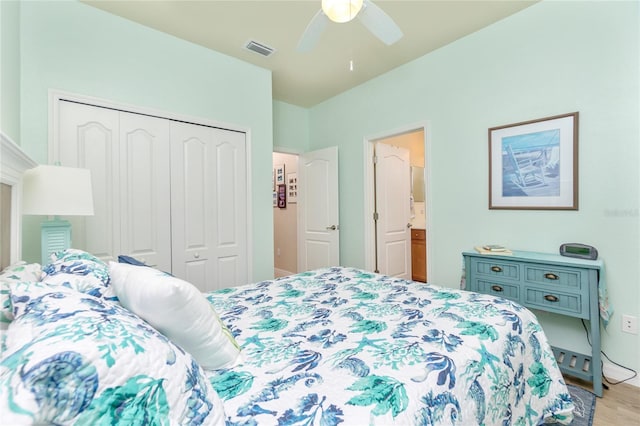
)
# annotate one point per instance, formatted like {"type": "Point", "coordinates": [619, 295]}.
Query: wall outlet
{"type": "Point", "coordinates": [630, 324]}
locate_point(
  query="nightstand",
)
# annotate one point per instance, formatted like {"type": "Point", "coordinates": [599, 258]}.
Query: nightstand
{"type": "Point", "coordinates": [551, 283]}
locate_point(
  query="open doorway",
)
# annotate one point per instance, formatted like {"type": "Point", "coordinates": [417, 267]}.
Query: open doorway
{"type": "Point", "coordinates": [285, 214]}
{"type": "Point", "coordinates": [405, 253]}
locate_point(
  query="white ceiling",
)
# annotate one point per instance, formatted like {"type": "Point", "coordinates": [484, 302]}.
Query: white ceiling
{"type": "Point", "coordinates": [306, 79]}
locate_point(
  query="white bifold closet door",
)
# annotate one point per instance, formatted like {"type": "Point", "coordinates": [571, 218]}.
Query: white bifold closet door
{"type": "Point", "coordinates": [208, 205]}
{"type": "Point", "coordinates": [170, 194]}
{"type": "Point", "coordinates": [128, 155]}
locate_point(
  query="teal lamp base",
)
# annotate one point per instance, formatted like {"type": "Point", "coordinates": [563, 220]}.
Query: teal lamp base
{"type": "Point", "coordinates": [56, 236]}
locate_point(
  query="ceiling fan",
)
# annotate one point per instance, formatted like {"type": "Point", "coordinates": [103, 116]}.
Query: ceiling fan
{"type": "Point", "coordinates": [374, 19]}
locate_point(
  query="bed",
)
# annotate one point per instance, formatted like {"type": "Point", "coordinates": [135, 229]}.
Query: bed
{"type": "Point", "coordinates": [109, 344]}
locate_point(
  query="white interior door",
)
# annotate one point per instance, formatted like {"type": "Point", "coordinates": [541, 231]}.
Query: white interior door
{"type": "Point", "coordinates": [318, 210]}
{"type": "Point", "coordinates": [208, 207]}
{"type": "Point", "coordinates": [393, 186]}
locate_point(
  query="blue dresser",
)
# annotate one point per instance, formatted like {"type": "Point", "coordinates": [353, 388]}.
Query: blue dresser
{"type": "Point", "coordinates": [551, 283]}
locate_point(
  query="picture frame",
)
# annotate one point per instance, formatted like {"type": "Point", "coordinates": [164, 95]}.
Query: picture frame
{"type": "Point", "coordinates": [279, 171]}
{"type": "Point", "coordinates": [292, 188]}
{"type": "Point", "coordinates": [282, 196]}
{"type": "Point", "coordinates": [533, 165]}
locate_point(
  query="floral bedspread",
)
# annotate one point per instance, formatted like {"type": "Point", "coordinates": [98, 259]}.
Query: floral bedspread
{"type": "Point", "coordinates": [342, 345]}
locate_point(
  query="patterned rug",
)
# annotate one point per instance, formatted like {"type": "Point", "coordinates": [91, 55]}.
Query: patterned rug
{"type": "Point", "coordinates": [585, 403]}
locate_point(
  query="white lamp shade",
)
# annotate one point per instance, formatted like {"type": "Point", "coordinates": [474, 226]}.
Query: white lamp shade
{"type": "Point", "coordinates": [57, 191]}
{"type": "Point", "coordinates": [341, 11]}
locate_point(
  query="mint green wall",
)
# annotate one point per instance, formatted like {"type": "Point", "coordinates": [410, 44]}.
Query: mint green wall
{"type": "Point", "coordinates": [290, 127]}
{"type": "Point", "coordinates": [76, 48]}
{"type": "Point", "coordinates": [551, 58]}
{"type": "Point", "coordinates": [10, 70]}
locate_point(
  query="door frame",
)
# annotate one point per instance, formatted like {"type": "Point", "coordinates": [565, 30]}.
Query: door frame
{"type": "Point", "coordinates": [369, 207]}
{"type": "Point", "coordinates": [298, 153]}
{"type": "Point", "coordinates": [56, 96]}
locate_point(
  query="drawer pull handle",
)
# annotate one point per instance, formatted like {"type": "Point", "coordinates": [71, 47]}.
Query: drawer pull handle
{"type": "Point", "coordinates": [551, 276]}
{"type": "Point", "coordinates": [551, 298]}
{"type": "Point", "coordinates": [496, 288]}
{"type": "Point", "coordinates": [496, 269]}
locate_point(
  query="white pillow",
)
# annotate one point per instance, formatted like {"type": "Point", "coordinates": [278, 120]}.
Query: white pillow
{"type": "Point", "coordinates": [178, 310]}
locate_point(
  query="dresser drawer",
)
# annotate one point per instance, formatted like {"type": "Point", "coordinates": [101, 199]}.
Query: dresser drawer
{"type": "Point", "coordinates": [418, 234]}
{"type": "Point", "coordinates": [551, 300]}
{"type": "Point", "coordinates": [496, 268]}
{"type": "Point", "coordinates": [506, 290]}
{"type": "Point", "coordinates": [548, 275]}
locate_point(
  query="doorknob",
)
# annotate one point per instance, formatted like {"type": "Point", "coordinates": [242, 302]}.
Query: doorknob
{"type": "Point", "coordinates": [409, 225]}
{"type": "Point", "coordinates": [332, 228]}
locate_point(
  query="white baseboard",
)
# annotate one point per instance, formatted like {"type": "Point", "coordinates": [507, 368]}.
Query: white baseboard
{"type": "Point", "coordinates": [615, 374]}
{"type": "Point", "coordinates": [277, 273]}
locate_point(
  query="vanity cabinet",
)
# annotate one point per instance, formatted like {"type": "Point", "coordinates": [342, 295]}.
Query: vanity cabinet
{"type": "Point", "coordinates": [551, 283]}
{"type": "Point", "coordinates": [418, 255]}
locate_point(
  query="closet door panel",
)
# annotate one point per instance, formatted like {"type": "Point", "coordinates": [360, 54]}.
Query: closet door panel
{"type": "Point", "coordinates": [192, 199]}
{"type": "Point", "coordinates": [88, 138]}
{"type": "Point", "coordinates": [196, 206]}
{"type": "Point", "coordinates": [231, 208]}
{"type": "Point", "coordinates": [145, 181]}
{"type": "Point", "coordinates": [231, 271]}
{"type": "Point", "coordinates": [196, 272]}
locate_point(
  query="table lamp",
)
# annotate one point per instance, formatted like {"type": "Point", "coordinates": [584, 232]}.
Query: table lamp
{"type": "Point", "coordinates": [56, 191]}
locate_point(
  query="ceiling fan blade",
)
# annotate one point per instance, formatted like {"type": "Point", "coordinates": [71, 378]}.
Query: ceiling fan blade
{"type": "Point", "coordinates": [313, 32]}
{"type": "Point", "coordinates": [379, 23]}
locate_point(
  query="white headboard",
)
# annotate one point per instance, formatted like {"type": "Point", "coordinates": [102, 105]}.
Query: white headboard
{"type": "Point", "coordinates": [13, 162]}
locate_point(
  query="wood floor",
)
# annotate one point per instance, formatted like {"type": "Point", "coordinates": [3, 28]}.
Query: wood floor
{"type": "Point", "coordinates": [619, 406]}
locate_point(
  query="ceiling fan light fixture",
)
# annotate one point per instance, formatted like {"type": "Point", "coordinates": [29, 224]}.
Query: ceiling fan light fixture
{"type": "Point", "coordinates": [341, 11]}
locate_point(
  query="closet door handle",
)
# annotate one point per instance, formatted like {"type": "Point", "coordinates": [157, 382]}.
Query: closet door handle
{"type": "Point", "coordinates": [551, 298]}
{"type": "Point", "coordinates": [496, 269]}
{"type": "Point", "coordinates": [332, 228]}
{"type": "Point", "coordinates": [551, 276]}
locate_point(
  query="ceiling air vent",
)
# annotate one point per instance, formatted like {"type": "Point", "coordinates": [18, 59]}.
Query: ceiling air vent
{"type": "Point", "coordinates": [260, 48]}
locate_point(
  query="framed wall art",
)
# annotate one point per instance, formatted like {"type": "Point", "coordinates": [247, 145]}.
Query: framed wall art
{"type": "Point", "coordinates": [279, 172]}
{"type": "Point", "coordinates": [533, 165]}
{"type": "Point", "coordinates": [282, 196]}
{"type": "Point", "coordinates": [292, 187]}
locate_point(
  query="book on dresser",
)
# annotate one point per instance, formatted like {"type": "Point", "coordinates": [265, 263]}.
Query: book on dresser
{"type": "Point", "coordinates": [493, 249]}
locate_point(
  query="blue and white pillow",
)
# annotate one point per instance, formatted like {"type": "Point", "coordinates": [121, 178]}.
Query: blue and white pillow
{"type": "Point", "coordinates": [80, 271]}
{"type": "Point", "coordinates": [75, 358]}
